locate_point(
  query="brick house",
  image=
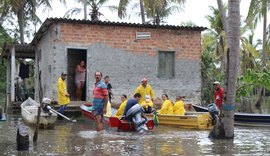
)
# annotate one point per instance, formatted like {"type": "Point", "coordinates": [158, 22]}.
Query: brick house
{"type": "Point", "coordinates": [168, 56]}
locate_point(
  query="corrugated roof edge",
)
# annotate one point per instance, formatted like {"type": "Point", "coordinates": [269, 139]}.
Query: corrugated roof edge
{"type": "Point", "coordinates": [49, 21]}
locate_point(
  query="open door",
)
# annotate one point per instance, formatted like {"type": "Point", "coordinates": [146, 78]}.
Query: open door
{"type": "Point", "coordinates": [74, 56]}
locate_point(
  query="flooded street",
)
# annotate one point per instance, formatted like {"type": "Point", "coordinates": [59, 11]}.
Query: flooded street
{"type": "Point", "coordinates": [81, 139]}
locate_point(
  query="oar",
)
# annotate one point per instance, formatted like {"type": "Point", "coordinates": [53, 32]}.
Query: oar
{"type": "Point", "coordinates": [39, 108]}
{"type": "Point", "coordinates": [49, 107]}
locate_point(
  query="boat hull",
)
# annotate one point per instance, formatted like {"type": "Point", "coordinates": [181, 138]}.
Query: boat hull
{"type": "Point", "coordinates": [121, 125]}
{"type": "Point", "coordinates": [29, 111]}
{"type": "Point", "coordinates": [192, 120]}
{"type": "Point", "coordinates": [244, 119]}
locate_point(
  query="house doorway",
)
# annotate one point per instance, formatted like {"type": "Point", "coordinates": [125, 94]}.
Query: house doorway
{"type": "Point", "coordinates": [74, 56]}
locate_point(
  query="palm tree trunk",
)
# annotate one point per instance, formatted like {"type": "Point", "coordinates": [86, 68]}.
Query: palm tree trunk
{"type": "Point", "coordinates": [264, 55]}
{"type": "Point", "coordinates": [225, 128]}
{"type": "Point", "coordinates": [142, 11]}
{"type": "Point", "coordinates": [264, 35]}
{"type": "Point", "coordinates": [21, 25]}
{"type": "Point", "coordinates": [233, 65]}
{"type": "Point", "coordinates": [85, 9]}
{"type": "Point", "coordinates": [223, 16]}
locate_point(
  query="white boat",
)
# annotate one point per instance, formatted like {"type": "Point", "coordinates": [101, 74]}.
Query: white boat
{"type": "Point", "coordinates": [29, 111]}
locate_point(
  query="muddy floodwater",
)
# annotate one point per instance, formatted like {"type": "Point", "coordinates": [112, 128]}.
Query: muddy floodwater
{"type": "Point", "coordinates": [80, 138]}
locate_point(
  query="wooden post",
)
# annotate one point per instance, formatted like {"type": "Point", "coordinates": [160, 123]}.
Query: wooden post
{"type": "Point", "coordinates": [22, 138]}
{"type": "Point", "coordinates": [8, 86]}
{"type": "Point", "coordinates": [13, 68]}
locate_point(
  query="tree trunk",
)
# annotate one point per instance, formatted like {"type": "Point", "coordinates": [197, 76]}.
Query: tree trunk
{"type": "Point", "coordinates": [223, 16]}
{"type": "Point", "coordinates": [264, 34]}
{"type": "Point", "coordinates": [21, 24]}
{"type": "Point", "coordinates": [264, 55]}
{"type": "Point", "coordinates": [225, 128]}
{"type": "Point", "coordinates": [85, 9]}
{"type": "Point", "coordinates": [233, 65]}
{"type": "Point", "coordinates": [142, 11]}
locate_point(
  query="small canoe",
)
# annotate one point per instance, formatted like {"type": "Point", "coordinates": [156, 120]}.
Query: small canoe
{"type": "Point", "coordinates": [29, 111]}
{"type": "Point", "coordinates": [190, 120]}
{"type": "Point", "coordinates": [121, 125]}
{"type": "Point", "coordinates": [244, 119]}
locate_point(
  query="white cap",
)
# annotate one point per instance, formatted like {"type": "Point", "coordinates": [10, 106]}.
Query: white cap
{"type": "Point", "coordinates": [216, 83]}
{"type": "Point", "coordinates": [46, 100]}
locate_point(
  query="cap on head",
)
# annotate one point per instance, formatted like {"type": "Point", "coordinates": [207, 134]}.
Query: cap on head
{"type": "Point", "coordinates": [144, 80]}
{"type": "Point", "coordinates": [63, 74]}
{"type": "Point", "coordinates": [216, 83]}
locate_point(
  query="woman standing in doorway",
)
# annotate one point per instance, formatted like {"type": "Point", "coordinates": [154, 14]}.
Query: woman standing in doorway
{"type": "Point", "coordinates": [80, 79]}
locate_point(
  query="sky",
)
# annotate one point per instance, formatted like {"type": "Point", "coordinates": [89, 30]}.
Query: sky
{"type": "Point", "coordinates": [194, 11]}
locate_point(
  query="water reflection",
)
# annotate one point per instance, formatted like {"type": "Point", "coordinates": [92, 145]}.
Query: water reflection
{"type": "Point", "coordinates": [81, 139]}
{"type": "Point", "coordinates": [62, 136]}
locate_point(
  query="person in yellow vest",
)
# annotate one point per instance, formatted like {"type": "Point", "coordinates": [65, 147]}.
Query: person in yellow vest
{"type": "Point", "coordinates": [147, 105]}
{"type": "Point", "coordinates": [167, 106]}
{"type": "Point", "coordinates": [63, 95]}
{"type": "Point", "coordinates": [145, 89]}
{"type": "Point", "coordinates": [122, 107]}
{"type": "Point", "coordinates": [179, 106]}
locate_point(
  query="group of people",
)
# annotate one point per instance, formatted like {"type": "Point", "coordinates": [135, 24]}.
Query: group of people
{"type": "Point", "coordinates": [143, 96]}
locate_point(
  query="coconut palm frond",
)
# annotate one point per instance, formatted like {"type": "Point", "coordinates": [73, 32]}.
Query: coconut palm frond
{"type": "Point", "coordinates": [72, 12]}
{"type": "Point", "coordinates": [122, 8]}
{"type": "Point", "coordinates": [113, 8]}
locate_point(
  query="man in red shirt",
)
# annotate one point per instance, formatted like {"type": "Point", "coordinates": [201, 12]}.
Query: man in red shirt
{"type": "Point", "coordinates": [219, 92]}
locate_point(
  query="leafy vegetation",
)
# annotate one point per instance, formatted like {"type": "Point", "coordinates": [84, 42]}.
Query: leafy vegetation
{"type": "Point", "coordinates": [4, 37]}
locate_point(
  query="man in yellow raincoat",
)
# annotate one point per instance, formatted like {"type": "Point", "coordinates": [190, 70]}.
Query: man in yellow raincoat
{"type": "Point", "coordinates": [179, 106]}
{"type": "Point", "coordinates": [63, 95]}
{"type": "Point", "coordinates": [145, 89]}
{"type": "Point", "coordinates": [122, 107]}
{"type": "Point", "coordinates": [167, 106]}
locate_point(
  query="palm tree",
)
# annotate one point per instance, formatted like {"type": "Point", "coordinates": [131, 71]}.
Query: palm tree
{"type": "Point", "coordinates": [24, 10]}
{"type": "Point", "coordinates": [218, 31]}
{"type": "Point", "coordinates": [208, 67]}
{"type": "Point", "coordinates": [214, 52]}
{"type": "Point", "coordinates": [258, 10]}
{"type": "Point", "coordinates": [158, 10]}
{"type": "Point", "coordinates": [249, 53]}
{"type": "Point", "coordinates": [122, 9]}
{"type": "Point", "coordinates": [95, 5]}
{"type": "Point", "coordinates": [154, 9]}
